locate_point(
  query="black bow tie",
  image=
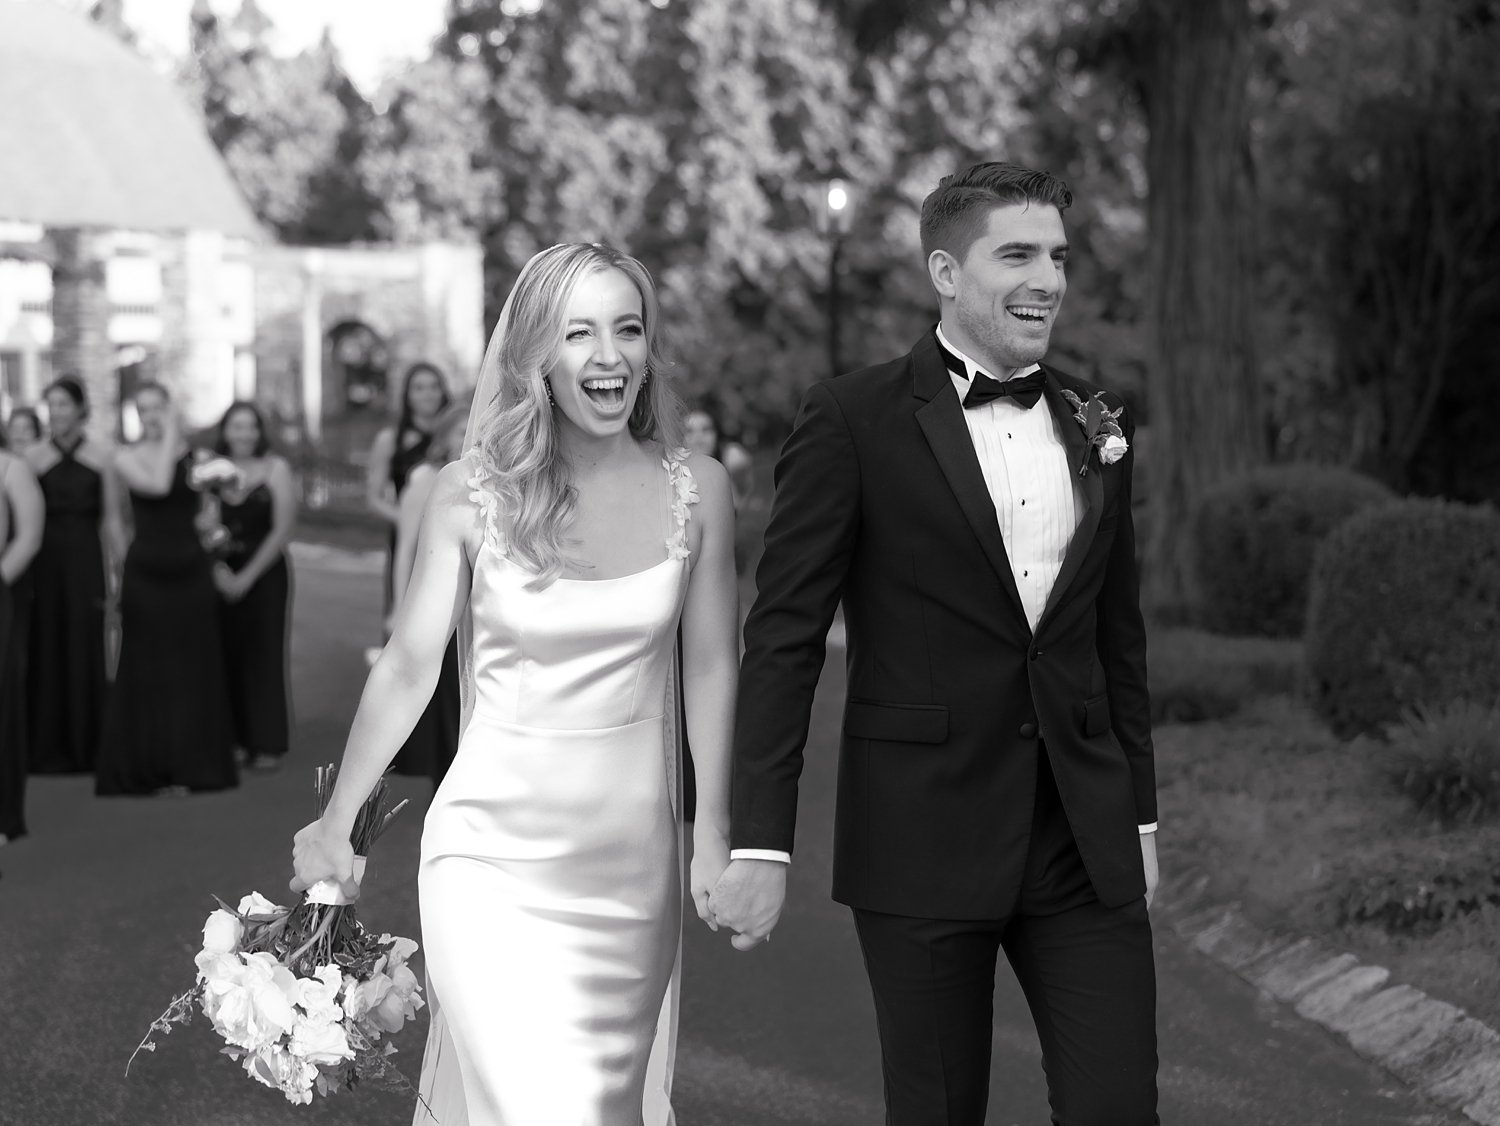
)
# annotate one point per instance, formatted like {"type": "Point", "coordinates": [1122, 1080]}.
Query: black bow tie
{"type": "Point", "coordinates": [1025, 390]}
{"type": "Point", "coordinates": [985, 389]}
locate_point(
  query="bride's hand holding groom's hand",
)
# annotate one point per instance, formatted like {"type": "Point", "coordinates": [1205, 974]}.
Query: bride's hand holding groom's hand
{"type": "Point", "coordinates": [322, 852]}
{"type": "Point", "coordinates": [748, 900]}
{"type": "Point", "coordinates": [710, 858]}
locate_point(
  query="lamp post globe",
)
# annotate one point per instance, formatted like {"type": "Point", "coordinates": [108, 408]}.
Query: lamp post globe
{"type": "Point", "coordinates": [838, 211]}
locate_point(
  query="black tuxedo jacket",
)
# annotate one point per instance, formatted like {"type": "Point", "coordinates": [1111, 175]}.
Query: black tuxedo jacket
{"type": "Point", "coordinates": [880, 504]}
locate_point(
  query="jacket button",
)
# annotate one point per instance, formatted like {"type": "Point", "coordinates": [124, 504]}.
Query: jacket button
{"type": "Point", "coordinates": [1028, 731]}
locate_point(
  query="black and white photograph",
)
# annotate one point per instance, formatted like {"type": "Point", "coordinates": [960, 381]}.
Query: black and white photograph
{"type": "Point", "coordinates": [749, 562]}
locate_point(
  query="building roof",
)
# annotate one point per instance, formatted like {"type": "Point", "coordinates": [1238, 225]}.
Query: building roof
{"type": "Point", "coordinates": [92, 136]}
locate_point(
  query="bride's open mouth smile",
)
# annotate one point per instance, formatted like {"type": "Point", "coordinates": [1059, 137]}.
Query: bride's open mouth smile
{"type": "Point", "coordinates": [607, 394]}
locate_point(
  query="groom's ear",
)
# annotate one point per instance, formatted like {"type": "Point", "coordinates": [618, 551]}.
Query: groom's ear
{"type": "Point", "coordinates": [941, 268]}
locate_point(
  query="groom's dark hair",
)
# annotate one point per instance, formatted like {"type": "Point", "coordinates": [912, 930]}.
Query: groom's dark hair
{"type": "Point", "coordinates": [956, 211]}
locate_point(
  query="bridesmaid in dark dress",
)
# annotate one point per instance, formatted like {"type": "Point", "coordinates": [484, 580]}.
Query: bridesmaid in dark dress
{"type": "Point", "coordinates": [254, 581]}
{"type": "Point", "coordinates": [66, 676]}
{"type": "Point", "coordinates": [397, 450]}
{"type": "Point", "coordinates": [167, 727]}
{"type": "Point", "coordinates": [437, 730]}
{"type": "Point", "coordinates": [21, 516]}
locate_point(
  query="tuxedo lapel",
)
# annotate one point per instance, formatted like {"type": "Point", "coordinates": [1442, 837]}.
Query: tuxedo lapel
{"type": "Point", "coordinates": [1093, 490]}
{"type": "Point", "coordinates": [941, 418]}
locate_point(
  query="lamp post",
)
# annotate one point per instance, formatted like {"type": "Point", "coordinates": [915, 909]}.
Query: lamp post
{"type": "Point", "coordinates": [838, 212]}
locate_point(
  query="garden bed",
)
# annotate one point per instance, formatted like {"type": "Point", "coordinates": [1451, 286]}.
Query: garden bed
{"type": "Point", "coordinates": [1312, 835]}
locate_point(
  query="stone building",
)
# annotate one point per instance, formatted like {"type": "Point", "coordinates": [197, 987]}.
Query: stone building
{"type": "Point", "coordinates": [337, 327]}
{"type": "Point", "coordinates": [127, 252]}
{"type": "Point", "coordinates": [124, 244]}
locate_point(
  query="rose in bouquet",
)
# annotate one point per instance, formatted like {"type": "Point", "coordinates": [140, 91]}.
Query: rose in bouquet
{"type": "Point", "coordinates": [304, 996]}
{"type": "Point", "coordinates": [212, 476]}
{"type": "Point", "coordinates": [212, 473]}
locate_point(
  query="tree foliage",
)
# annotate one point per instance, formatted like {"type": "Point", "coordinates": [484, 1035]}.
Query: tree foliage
{"type": "Point", "coordinates": [292, 130]}
{"type": "Point", "coordinates": [1285, 227]}
{"type": "Point", "coordinates": [1382, 120]}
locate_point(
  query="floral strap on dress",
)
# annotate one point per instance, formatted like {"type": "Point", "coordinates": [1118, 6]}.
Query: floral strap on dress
{"type": "Point", "coordinates": [482, 495]}
{"type": "Point", "coordinates": [684, 493]}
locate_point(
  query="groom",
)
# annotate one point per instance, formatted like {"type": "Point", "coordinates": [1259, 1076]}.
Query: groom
{"type": "Point", "coordinates": [996, 789]}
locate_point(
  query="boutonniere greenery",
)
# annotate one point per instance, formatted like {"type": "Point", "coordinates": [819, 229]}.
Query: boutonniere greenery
{"type": "Point", "coordinates": [1101, 429]}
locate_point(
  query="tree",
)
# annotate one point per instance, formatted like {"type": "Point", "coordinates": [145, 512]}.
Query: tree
{"type": "Point", "coordinates": [1416, 248]}
{"type": "Point", "coordinates": [694, 136]}
{"type": "Point", "coordinates": [1381, 119]}
{"type": "Point", "coordinates": [1194, 66]}
{"type": "Point", "coordinates": [290, 129]}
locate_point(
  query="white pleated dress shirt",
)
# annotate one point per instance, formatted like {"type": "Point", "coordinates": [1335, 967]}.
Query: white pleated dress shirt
{"type": "Point", "coordinates": [1025, 467]}
{"type": "Point", "coordinates": [1038, 501]}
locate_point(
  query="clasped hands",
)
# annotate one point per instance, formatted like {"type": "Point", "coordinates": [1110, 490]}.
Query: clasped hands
{"type": "Point", "coordinates": [745, 896]}
{"type": "Point", "coordinates": [230, 585]}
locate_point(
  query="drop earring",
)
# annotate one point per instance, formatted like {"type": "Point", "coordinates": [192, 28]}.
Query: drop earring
{"type": "Point", "coordinates": [547, 383]}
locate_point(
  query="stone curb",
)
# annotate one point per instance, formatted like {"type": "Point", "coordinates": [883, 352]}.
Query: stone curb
{"type": "Point", "coordinates": [1433, 1046]}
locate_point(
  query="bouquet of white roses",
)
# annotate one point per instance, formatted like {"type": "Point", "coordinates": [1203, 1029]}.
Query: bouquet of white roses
{"type": "Point", "coordinates": [303, 996]}
{"type": "Point", "coordinates": [210, 472]}
{"type": "Point", "coordinates": [211, 475]}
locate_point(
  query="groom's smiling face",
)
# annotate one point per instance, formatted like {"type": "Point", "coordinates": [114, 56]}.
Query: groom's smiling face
{"type": "Point", "coordinates": [1006, 290]}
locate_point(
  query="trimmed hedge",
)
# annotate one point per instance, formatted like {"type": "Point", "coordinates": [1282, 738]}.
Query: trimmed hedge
{"type": "Point", "coordinates": [1404, 613]}
{"type": "Point", "coordinates": [1253, 542]}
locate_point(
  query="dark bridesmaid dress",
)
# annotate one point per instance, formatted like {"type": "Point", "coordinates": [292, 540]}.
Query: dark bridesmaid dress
{"type": "Point", "coordinates": [402, 463]}
{"type": "Point", "coordinates": [255, 632]}
{"type": "Point", "coordinates": [430, 748]}
{"type": "Point", "coordinates": [167, 720]}
{"type": "Point", "coordinates": [14, 615]}
{"type": "Point", "coordinates": [66, 676]}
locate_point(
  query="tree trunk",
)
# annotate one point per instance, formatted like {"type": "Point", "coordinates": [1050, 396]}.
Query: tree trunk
{"type": "Point", "coordinates": [1204, 417]}
{"type": "Point", "coordinates": [80, 321]}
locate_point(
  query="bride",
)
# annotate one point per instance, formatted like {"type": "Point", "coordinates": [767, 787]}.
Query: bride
{"type": "Point", "coordinates": [566, 546]}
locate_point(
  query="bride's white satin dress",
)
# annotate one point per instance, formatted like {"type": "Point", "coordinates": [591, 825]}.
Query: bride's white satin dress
{"type": "Point", "coordinates": [550, 880]}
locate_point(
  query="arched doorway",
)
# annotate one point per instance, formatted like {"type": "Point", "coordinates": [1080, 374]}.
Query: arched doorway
{"type": "Point", "coordinates": [356, 389]}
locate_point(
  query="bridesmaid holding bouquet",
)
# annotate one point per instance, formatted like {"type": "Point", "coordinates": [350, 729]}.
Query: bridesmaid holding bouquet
{"type": "Point", "coordinates": [167, 726]}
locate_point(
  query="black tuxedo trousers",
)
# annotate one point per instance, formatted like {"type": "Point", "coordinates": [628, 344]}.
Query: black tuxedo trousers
{"type": "Point", "coordinates": [1086, 970]}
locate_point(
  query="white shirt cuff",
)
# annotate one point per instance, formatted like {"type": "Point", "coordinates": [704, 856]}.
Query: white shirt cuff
{"type": "Point", "coordinates": [1151, 828]}
{"type": "Point", "coordinates": [760, 854]}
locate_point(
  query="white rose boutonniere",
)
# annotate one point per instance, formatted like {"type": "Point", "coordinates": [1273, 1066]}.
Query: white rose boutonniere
{"type": "Point", "coordinates": [1101, 429]}
{"type": "Point", "coordinates": [1112, 449]}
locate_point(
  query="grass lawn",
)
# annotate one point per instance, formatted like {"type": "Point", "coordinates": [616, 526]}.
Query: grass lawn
{"type": "Point", "coordinates": [1308, 833]}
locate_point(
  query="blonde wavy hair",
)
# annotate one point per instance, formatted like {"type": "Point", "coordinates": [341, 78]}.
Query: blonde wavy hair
{"type": "Point", "coordinates": [515, 438]}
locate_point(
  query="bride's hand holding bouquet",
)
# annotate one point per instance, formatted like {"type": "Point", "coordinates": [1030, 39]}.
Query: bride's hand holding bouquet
{"type": "Point", "coordinates": [323, 855]}
{"type": "Point", "coordinates": [304, 996]}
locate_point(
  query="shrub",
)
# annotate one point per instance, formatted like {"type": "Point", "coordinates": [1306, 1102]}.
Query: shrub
{"type": "Point", "coordinates": [1197, 676]}
{"type": "Point", "coordinates": [1447, 760]}
{"type": "Point", "coordinates": [1404, 613]}
{"type": "Point", "coordinates": [1253, 539]}
{"type": "Point", "coordinates": [1415, 887]}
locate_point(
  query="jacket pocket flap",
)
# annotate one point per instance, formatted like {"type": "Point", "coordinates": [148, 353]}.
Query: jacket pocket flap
{"type": "Point", "coordinates": [896, 723]}
{"type": "Point", "coordinates": [1096, 715]}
